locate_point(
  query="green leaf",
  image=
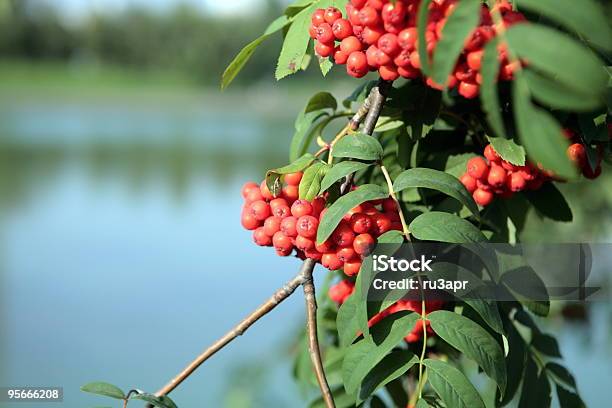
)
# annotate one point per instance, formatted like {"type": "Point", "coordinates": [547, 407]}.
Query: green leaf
{"type": "Point", "coordinates": [240, 60]}
{"type": "Point", "coordinates": [295, 45]}
{"type": "Point", "coordinates": [557, 95]}
{"type": "Point", "coordinates": [454, 389]}
{"type": "Point", "coordinates": [336, 211]}
{"type": "Point", "coordinates": [508, 150]}
{"type": "Point", "coordinates": [587, 18]}
{"type": "Point", "coordinates": [339, 171]}
{"type": "Point", "coordinates": [488, 311]}
{"type": "Point", "coordinates": [549, 202]}
{"type": "Point", "coordinates": [436, 180]}
{"type": "Point", "coordinates": [346, 320]}
{"type": "Point", "coordinates": [422, 17]}
{"type": "Point", "coordinates": [445, 227]}
{"type": "Point", "coordinates": [546, 344]}
{"type": "Point", "coordinates": [568, 399]}
{"type": "Point", "coordinates": [536, 388]}
{"type": "Point", "coordinates": [102, 388]}
{"type": "Point", "coordinates": [561, 375]}
{"type": "Point", "coordinates": [367, 353]}
{"type": "Point", "coordinates": [321, 100]}
{"type": "Point", "coordinates": [528, 287]}
{"type": "Point", "coordinates": [472, 340]}
{"type": "Point", "coordinates": [569, 62]}
{"type": "Point", "coordinates": [160, 402]}
{"type": "Point", "coordinates": [310, 185]}
{"type": "Point", "coordinates": [341, 399]}
{"type": "Point", "coordinates": [391, 367]}
{"type": "Point", "coordinates": [422, 404]}
{"type": "Point", "coordinates": [540, 133]}
{"type": "Point", "coordinates": [325, 65]}
{"type": "Point", "coordinates": [488, 90]}
{"type": "Point", "coordinates": [303, 133]}
{"type": "Point", "coordinates": [358, 146]}
{"type": "Point", "coordinates": [272, 176]}
{"type": "Point", "coordinates": [456, 31]}
{"type": "Point", "coordinates": [515, 363]}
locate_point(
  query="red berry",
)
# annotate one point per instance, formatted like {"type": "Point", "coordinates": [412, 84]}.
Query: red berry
{"type": "Point", "coordinates": [356, 65]}
{"type": "Point", "coordinates": [352, 267]}
{"type": "Point", "coordinates": [382, 223]}
{"type": "Point", "coordinates": [324, 50]}
{"type": "Point", "coordinates": [403, 59]}
{"type": "Point", "coordinates": [343, 235]}
{"type": "Point", "coordinates": [415, 59]}
{"type": "Point", "coordinates": [325, 34]}
{"type": "Point", "coordinates": [265, 191]}
{"type": "Point", "coordinates": [388, 44]}
{"type": "Point", "coordinates": [577, 154]}
{"type": "Point", "coordinates": [254, 195]}
{"type": "Point", "coordinates": [313, 254]}
{"type": "Point", "coordinates": [340, 57]}
{"type": "Point", "coordinates": [303, 243]}
{"type": "Point", "coordinates": [394, 13]}
{"type": "Point", "coordinates": [358, 3]}
{"type": "Point", "coordinates": [468, 90]}
{"type": "Point", "coordinates": [342, 28]}
{"type": "Point", "coordinates": [590, 173]}
{"type": "Point", "coordinates": [491, 154]}
{"type": "Point", "coordinates": [248, 187]}
{"type": "Point", "coordinates": [288, 226]}
{"type": "Point", "coordinates": [306, 226]}
{"type": "Point", "coordinates": [282, 242]}
{"type": "Point", "coordinates": [388, 72]}
{"type": "Point", "coordinates": [293, 178]}
{"type": "Point", "coordinates": [326, 246]}
{"type": "Point", "coordinates": [350, 45]}
{"type": "Point", "coordinates": [408, 72]}
{"type": "Point", "coordinates": [260, 210]}
{"type": "Point", "coordinates": [361, 223]}
{"type": "Point", "coordinates": [389, 205]}
{"type": "Point", "coordinates": [345, 254]}
{"type": "Point", "coordinates": [278, 202]}
{"type": "Point", "coordinates": [330, 261]}
{"type": "Point", "coordinates": [497, 176]}
{"type": "Point", "coordinates": [477, 168]}
{"type": "Point", "coordinates": [318, 17]}
{"type": "Point", "coordinates": [261, 238]}
{"type": "Point", "coordinates": [332, 14]}
{"type": "Point", "coordinates": [281, 211]}
{"type": "Point", "coordinates": [474, 59]}
{"type": "Point", "coordinates": [301, 207]}
{"type": "Point", "coordinates": [291, 192]}
{"type": "Point", "coordinates": [341, 291]}
{"type": "Point", "coordinates": [363, 244]}
{"type": "Point", "coordinates": [318, 204]}
{"type": "Point", "coordinates": [312, 32]}
{"type": "Point", "coordinates": [469, 182]}
{"type": "Point", "coordinates": [370, 35]}
{"type": "Point", "coordinates": [272, 225]}
{"type": "Point", "coordinates": [249, 221]}
{"type": "Point", "coordinates": [516, 182]}
{"type": "Point", "coordinates": [368, 16]}
{"type": "Point", "coordinates": [407, 38]}
{"type": "Point", "coordinates": [482, 197]}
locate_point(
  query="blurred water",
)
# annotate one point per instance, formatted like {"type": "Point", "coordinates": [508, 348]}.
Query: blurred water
{"type": "Point", "coordinates": [122, 256]}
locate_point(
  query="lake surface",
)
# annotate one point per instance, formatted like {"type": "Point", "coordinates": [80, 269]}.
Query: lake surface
{"type": "Point", "coordinates": [122, 254]}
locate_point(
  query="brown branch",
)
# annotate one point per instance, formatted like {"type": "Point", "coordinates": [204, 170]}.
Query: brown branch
{"type": "Point", "coordinates": [313, 339]}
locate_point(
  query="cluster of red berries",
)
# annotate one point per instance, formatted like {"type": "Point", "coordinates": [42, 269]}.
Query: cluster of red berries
{"type": "Point", "coordinates": [491, 175]}
{"type": "Point", "coordinates": [578, 154]}
{"type": "Point", "coordinates": [342, 290]}
{"type": "Point", "coordinates": [381, 35]}
{"type": "Point", "coordinates": [287, 223]}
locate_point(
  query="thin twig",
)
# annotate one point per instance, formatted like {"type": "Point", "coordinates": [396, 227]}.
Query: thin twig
{"type": "Point", "coordinates": [313, 338]}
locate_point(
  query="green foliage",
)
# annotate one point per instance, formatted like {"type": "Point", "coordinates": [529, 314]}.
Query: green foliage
{"type": "Point", "coordinates": [358, 146]}
{"type": "Point", "coordinates": [445, 227]}
{"type": "Point", "coordinates": [452, 386]}
{"type": "Point", "coordinates": [105, 389]}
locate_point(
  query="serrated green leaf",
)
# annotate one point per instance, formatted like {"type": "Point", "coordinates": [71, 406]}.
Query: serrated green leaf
{"type": "Point", "coordinates": [540, 133]}
{"type": "Point", "coordinates": [436, 180]}
{"type": "Point", "coordinates": [488, 91]}
{"type": "Point", "coordinates": [295, 45]}
{"type": "Point", "coordinates": [273, 176]}
{"type": "Point", "coordinates": [587, 18]}
{"type": "Point", "coordinates": [321, 100]}
{"type": "Point", "coordinates": [549, 202]}
{"type": "Point", "coordinates": [310, 185]}
{"type": "Point", "coordinates": [422, 17]}
{"type": "Point", "coordinates": [365, 354]}
{"type": "Point", "coordinates": [472, 340]}
{"type": "Point", "coordinates": [336, 211]}
{"type": "Point", "coordinates": [240, 60]}
{"type": "Point", "coordinates": [358, 146]}
{"type": "Point", "coordinates": [536, 388]}
{"type": "Point", "coordinates": [557, 95]}
{"type": "Point", "coordinates": [391, 367]}
{"type": "Point", "coordinates": [456, 31]}
{"type": "Point", "coordinates": [105, 389]}
{"type": "Point", "coordinates": [339, 171]}
{"type": "Point", "coordinates": [159, 402]}
{"type": "Point", "coordinates": [445, 227]}
{"type": "Point", "coordinates": [569, 62]}
{"type": "Point", "coordinates": [325, 65]}
{"type": "Point", "coordinates": [508, 150]}
{"type": "Point", "coordinates": [454, 389]}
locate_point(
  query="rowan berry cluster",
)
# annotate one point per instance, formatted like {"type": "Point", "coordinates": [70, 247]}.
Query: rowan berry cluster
{"type": "Point", "coordinates": [288, 223]}
{"type": "Point", "coordinates": [381, 35]}
{"type": "Point", "coordinates": [342, 290]}
{"type": "Point", "coordinates": [491, 175]}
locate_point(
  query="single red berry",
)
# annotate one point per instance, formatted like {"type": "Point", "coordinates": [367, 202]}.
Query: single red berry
{"type": "Point", "coordinates": [469, 182]}
{"type": "Point", "coordinates": [248, 221]}
{"type": "Point", "coordinates": [353, 16]}
{"type": "Point", "coordinates": [293, 179]}
{"type": "Point", "coordinates": [301, 207]}
{"type": "Point", "coordinates": [340, 57]}
{"type": "Point", "coordinates": [381, 58]}
{"type": "Point", "coordinates": [306, 226]}
{"type": "Point", "coordinates": [278, 202]}
{"type": "Point", "coordinates": [371, 53]}
{"type": "Point", "coordinates": [303, 243]}
{"type": "Point", "coordinates": [474, 59]}
{"type": "Point", "coordinates": [388, 44]}
{"type": "Point", "coordinates": [318, 17]}
{"type": "Point", "coordinates": [332, 14]}
{"type": "Point", "coordinates": [358, 3]}
{"type": "Point", "coordinates": [291, 192]}
{"type": "Point", "coordinates": [313, 254]}
{"type": "Point", "coordinates": [343, 235]}
{"type": "Point", "coordinates": [408, 72]}
{"type": "Point", "coordinates": [288, 226]}
{"type": "Point", "coordinates": [497, 176]}
{"type": "Point", "coordinates": [468, 90]}
{"type": "Point", "coordinates": [312, 32]}
{"type": "Point", "coordinates": [368, 16]}
{"type": "Point", "coordinates": [363, 244]}
{"type": "Point", "coordinates": [330, 261]}
{"type": "Point", "coordinates": [389, 205]}
{"type": "Point", "coordinates": [388, 72]}
{"type": "Point", "coordinates": [577, 154]}
{"type": "Point", "coordinates": [248, 187]}
{"type": "Point", "coordinates": [394, 13]}
{"type": "Point", "coordinates": [272, 225]}
{"type": "Point", "coordinates": [281, 211]}
{"type": "Point", "coordinates": [361, 223]}
{"type": "Point", "coordinates": [345, 254]}
{"type": "Point", "coordinates": [282, 242]}
{"type": "Point", "coordinates": [403, 59]}
{"type": "Point", "coordinates": [482, 197]}
{"type": "Point", "coordinates": [382, 223]}
{"type": "Point", "coordinates": [324, 50]}
{"type": "Point", "coordinates": [407, 38]}
{"type": "Point", "coordinates": [265, 191]}
{"type": "Point", "coordinates": [477, 168]}
{"type": "Point", "coordinates": [491, 154]}
{"type": "Point", "coordinates": [342, 28]}
{"type": "Point", "coordinates": [254, 195]}
{"type": "Point", "coordinates": [415, 59]}
{"type": "Point", "coordinates": [325, 34]}
{"type": "Point", "coordinates": [516, 182]}
{"type": "Point", "coordinates": [318, 205]}
{"type": "Point", "coordinates": [261, 238]}
{"type": "Point", "coordinates": [327, 246]}
{"type": "Point", "coordinates": [282, 252]}
{"type": "Point", "coordinates": [356, 65]}
{"type": "Point", "coordinates": [370, 35]}
{"type": "Point", "coordinates": [341, 291]}
{"type": "Point", "coordinates": [590, 173]}
{"type": "Point", "coordinates": [350, 45]}
{"type": "Point", "coordinates": [352, 267]}
{"type": "Point", "coordinates": [260, 209]}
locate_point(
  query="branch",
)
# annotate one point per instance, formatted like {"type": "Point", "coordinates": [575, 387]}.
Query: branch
{"type": "Point", "coordinates": [313, 338]}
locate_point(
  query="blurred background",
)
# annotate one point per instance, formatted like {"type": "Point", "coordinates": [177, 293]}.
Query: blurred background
{"type": "Point", "coordinates": [121, 251]}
